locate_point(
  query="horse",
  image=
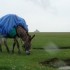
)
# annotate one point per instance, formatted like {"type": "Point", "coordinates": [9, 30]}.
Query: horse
{"type": "Point", "coordinates": [26, 38]}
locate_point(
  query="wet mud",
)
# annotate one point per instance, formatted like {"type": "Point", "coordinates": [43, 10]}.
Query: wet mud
{"type": "Point", "coordinates": [56, 63]}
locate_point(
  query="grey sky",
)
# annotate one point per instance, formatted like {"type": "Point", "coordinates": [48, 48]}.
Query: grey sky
{"type": "Point", "coordinates": [44, 15]}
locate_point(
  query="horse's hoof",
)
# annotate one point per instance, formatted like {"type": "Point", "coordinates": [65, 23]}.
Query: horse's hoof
{"type": "Point", "coordinates": [8, 51]}
{"type": "Point", "coordinates": [12, 51]}
{"type": "Point", "coordinates": [1, 51]}
{"type": "Point", "coordinates": [19, 52]}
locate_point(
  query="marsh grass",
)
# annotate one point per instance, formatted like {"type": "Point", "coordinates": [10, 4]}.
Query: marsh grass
{"type": "Point", "coordinates": [32, 62]}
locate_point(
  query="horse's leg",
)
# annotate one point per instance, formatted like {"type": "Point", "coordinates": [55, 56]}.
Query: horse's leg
{"type": "Point", "coordinates": [0, 44]}
{"type": "Point", "coordinates": [14, 45]}
{"type": "Point", "coordinates": [5, 43]}
{"type": "Point", "coordinates": [18, 46]}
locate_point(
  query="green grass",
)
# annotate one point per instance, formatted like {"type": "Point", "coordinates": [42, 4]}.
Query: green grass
{"type": "Point", "coordinates": [32, 62]}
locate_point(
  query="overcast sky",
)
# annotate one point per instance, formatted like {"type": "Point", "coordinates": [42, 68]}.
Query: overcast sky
{"type": "Point", "coordinates": [44, 15]}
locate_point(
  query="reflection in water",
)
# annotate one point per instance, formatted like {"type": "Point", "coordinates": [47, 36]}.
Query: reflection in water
{"type": "Point", "coordinates": [64, 68]}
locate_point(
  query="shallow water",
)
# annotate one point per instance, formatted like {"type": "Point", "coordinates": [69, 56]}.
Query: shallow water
{"type": "Point", "coordinates": [64, 68]}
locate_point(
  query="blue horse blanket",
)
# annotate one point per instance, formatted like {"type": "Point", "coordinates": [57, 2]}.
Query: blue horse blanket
{"type": "Point", "coordinates": [10, 21]}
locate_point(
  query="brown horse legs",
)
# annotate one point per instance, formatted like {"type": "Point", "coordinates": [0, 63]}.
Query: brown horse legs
{"type": "Point", "coordinates": [0, 44]}
{"type": "Point", "coordinates": [5, 43]}
{"type": "Point", "coordinates": [0, 48]}
{"type": "Point", "coordinates": [16, 43]}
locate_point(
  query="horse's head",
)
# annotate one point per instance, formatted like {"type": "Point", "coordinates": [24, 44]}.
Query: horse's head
{"type": "Point", "coordinates": [27, 44]}
{"type": "Point", "coordinates": [23, 34]}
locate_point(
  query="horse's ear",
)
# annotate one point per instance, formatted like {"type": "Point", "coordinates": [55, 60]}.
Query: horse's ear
{"type": "Point", "coordinates": [32, 36]}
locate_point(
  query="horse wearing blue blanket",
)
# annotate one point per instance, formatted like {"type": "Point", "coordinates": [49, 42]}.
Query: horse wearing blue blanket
{"type": "Point", "coordinates": [12, 26]}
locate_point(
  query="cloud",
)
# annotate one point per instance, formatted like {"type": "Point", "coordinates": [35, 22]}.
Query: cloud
{"type": "Point", "coordinates": [44, 15]}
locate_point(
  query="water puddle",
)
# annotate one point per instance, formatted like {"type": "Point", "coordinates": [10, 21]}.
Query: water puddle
{"type": "Point", "coordinates": [57, 63]}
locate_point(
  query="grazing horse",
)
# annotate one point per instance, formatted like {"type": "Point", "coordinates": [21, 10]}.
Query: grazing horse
{"type": "Point", "coordinates": [14, 26]}
{"type": "Point", "coordinates": [26, 38]}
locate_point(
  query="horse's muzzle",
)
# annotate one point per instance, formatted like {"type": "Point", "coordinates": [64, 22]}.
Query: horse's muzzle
{"type": "Point", "coordinates": [28, 52]}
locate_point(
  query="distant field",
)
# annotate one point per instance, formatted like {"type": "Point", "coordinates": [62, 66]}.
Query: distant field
{"type": "Point", "coordinates": [60, 39]}
{"type": "Point", "coordinates": [32, 62]}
